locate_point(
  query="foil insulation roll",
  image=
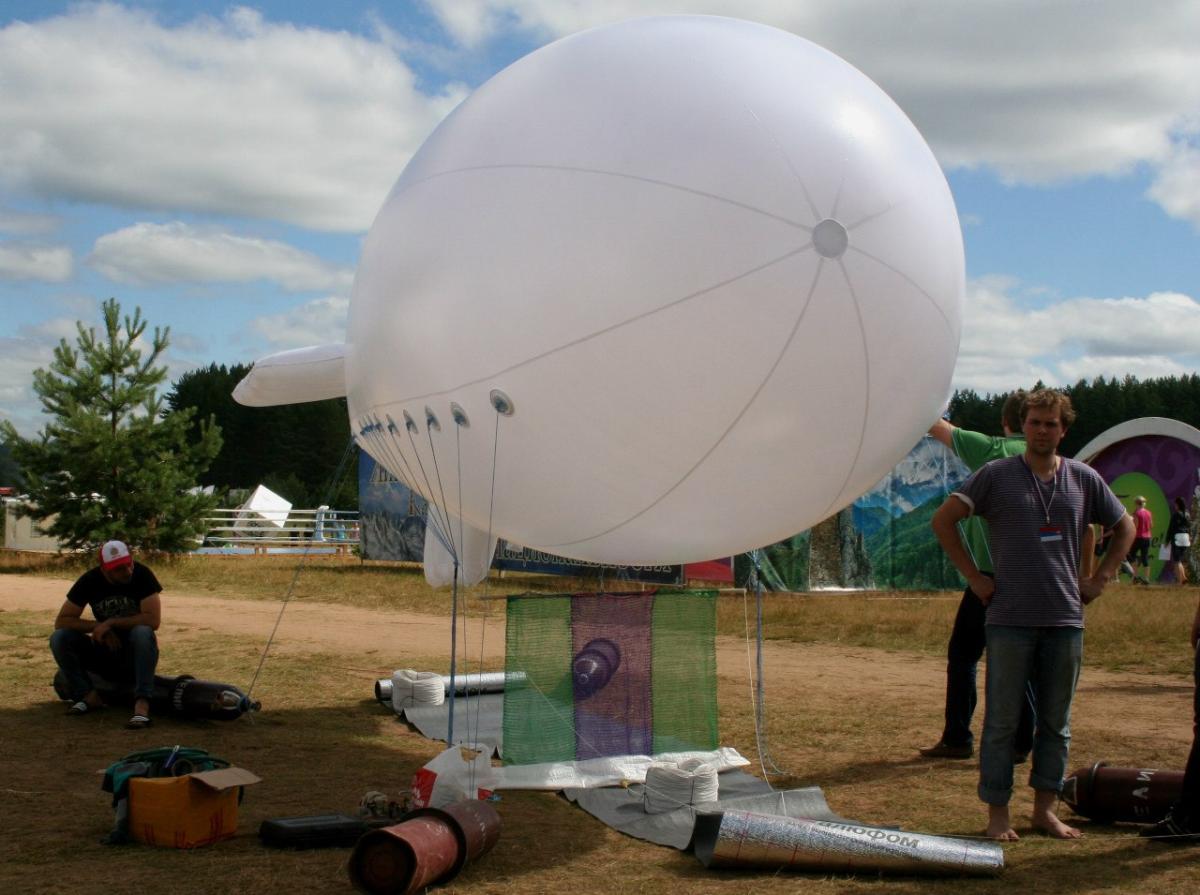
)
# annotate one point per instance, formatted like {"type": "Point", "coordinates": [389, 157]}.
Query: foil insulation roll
{"type": "Point", "coordinates": [475, 682]}
{"type": "Point", "coordinates": [768, 842]}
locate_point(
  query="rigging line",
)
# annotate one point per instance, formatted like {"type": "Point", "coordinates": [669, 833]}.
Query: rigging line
{"type": "Point", "coordinates": [443, 520]}
{"type": "Point", "coordinates": [453, 655]}
{"type": "Point", "coordinates": [751, 678]}
{"type": "Point", "coordinates": [762, 700]}
{"type": "Point", "coordinates": [455, 550]}
{"type": "Point", "coordinates": [766, 763]}
{"type": "Point", "coordinates": [472, 729]}
{"type": "Point", "coordinates": [404, 476]}
{"type": "Point", "coordinates": [410, 480]}
{"type": "Point", "coordinates": [391, 452]}
{"type": "Point", "coordinates": [329, 491]}
{"type": "Point", "coordinates": [488, 546]}
{"type": "Point", "coordinates": [394, 452]}
{"type": "Point", "coordinates": [375, 431]}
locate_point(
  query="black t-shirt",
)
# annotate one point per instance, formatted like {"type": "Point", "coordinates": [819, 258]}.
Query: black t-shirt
{"type": "Point", "coordinates": [110, 600]}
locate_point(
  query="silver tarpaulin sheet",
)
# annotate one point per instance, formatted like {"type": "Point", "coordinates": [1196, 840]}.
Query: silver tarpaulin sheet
{"type": "Point", "coordinates": [742, 839]}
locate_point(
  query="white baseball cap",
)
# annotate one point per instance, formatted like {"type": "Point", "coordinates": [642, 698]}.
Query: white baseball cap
{"type": "Point", "coordinates": [114, 554]}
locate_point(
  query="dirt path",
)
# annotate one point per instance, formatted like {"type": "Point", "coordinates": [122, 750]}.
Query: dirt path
{"type": "Point", "coordinates": [1140, 707]}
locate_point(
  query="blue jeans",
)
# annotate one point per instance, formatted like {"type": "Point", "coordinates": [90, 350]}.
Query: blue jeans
{"type": "Point", "coordinates": [135, 662]}
{"type": "Point", "coordinates": [1050, 658]}
{"type": "Point", "coordinates": [967, 641]}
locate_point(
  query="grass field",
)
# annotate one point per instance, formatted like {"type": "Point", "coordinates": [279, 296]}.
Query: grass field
{"type": "Point", "coordinates": [853, 686]}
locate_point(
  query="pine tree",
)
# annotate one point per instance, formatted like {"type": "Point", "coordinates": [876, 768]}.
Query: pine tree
{"type": "Point", "coordinates": [110, 463]}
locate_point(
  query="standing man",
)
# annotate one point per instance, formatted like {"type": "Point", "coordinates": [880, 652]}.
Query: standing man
{"type": "Point", "coordinates": [1143, 523]}
{"type": "Point", "coordinates": [1037, 506]}
{"type": "Point", "coordinates": [120, 644]}
{"type": "Point", "coordinates": [967, 639]}
{"type": "Point", "coordinates": [1181, 826]}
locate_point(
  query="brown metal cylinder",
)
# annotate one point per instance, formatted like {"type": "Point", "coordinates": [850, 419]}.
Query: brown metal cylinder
{"type": "Point", "coordinates": [476, 825]}
{"type": "Point", "coordinates": [1135, 795]}
{"type": "Point", "coordinates": [405, 858]}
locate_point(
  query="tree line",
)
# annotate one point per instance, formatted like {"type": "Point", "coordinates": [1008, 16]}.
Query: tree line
{"type": "Point", "coordinates": [293, 449]}
{"type": "Point", "coordinates": [1100, 405]}
{"type": "Point", "coordinates": [117, 460]}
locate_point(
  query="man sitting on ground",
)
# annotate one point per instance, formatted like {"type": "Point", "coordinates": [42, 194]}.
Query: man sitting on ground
{"type": "Point", "coordinates": [120, 644]}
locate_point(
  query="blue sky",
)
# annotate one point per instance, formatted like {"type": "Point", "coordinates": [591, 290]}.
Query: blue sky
{"type": "Point", "coordinates": [219, 165]}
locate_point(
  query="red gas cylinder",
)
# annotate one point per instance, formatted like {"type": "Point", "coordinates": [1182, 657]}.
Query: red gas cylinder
{"type": "Point", "coordinates": [1136, 795]}
{"type": "Point", "coordinates": [429, 847]}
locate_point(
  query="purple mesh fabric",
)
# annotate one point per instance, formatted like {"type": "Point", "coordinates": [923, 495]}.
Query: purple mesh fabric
{"type": "Point", "coordinates": [611, 653]}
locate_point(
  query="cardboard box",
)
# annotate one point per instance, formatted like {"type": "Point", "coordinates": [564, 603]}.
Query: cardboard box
{"type": "Point", "coordinates": [189, 811]}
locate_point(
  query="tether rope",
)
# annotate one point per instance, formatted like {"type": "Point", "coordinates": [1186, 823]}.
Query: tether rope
{"type": "Point", "coordinates": [417, 688]}
{"type": "Point", "coordinates": [330, 490]}
{"type": "Point", "coordinates": [473, 732]}
{"type": "Point", "coordinates": [670, 785]}
{"type": "Point", "coordinates": [757, 690]}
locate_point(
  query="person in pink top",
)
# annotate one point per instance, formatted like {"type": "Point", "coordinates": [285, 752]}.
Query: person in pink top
{"type": "Point", "coordinates": [1139, 555]}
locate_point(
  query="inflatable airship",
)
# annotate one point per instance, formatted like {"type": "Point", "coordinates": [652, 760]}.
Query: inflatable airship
{"type": "Point", "coordinates": [658, 292]}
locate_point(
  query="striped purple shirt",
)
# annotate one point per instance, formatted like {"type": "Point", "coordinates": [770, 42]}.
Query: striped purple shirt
{"type": "Point", "coordinates": [1035, 530]}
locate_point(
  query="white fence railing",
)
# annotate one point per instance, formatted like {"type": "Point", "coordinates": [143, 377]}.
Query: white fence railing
{"type": "Point", "coordinates": [277, 530]}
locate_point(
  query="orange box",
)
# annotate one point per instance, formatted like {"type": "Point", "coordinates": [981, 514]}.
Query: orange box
{"type": "Point", "coordinates": [188, 811]}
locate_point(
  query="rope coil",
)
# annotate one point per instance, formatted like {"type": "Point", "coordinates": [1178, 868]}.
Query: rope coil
{"type": "Point", "coordinates": [671, 785]}
{"type": "Point", "coordinates": [413, 688]}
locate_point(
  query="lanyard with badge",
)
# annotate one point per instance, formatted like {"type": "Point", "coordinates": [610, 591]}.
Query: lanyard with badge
{"type": "Point", "coordinates": [1048, 533]}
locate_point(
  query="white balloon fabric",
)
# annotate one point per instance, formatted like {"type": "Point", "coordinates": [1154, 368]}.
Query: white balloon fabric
{"type": "Point", "coordinates": [710, 272]}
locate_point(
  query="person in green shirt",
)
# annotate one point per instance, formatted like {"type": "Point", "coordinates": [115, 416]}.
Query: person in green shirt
{"type": "Point", "coordinates": [968, 637]}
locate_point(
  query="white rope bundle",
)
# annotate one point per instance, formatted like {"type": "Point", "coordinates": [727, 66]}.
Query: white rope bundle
{"type": "Point", "coordinates": [413, 688]}
{"type": "Point", "coordinates": [671, 785]}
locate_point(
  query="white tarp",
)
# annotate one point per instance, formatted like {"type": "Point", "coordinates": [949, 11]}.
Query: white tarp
{"type": "Point", "coordinates": [263, 509]}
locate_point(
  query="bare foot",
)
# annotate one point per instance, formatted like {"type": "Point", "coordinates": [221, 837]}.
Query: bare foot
{"type": "Point", "coordinates": [1052, 826]}
{"type": "Point", "coordinates": [1046, 821]}
{"type": "Point", "coordinates": [999, 826]}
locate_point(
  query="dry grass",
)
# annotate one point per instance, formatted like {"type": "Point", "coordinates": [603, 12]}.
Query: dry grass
{"type": "Point", "coordinates": [322, 742]}
{"type": "Point", "coordinates": [1128, 629]}
{"type": "Point", "coordinates": [1134, 629]}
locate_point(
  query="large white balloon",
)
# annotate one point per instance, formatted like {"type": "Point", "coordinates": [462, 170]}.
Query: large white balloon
{"type": "Point", "coordinates": [714, 270]}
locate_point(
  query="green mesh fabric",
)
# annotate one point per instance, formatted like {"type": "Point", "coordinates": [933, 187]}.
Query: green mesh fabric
{"type": "Point", "coordinates": [684, 686]}
{"type": "Point", "coordinates": [609, 674]}
{"type": "Point", "coordinates": [538, 702]}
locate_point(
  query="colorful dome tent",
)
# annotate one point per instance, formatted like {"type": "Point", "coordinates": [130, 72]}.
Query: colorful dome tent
{"type": "Point", "coordinates": [1154, 457]}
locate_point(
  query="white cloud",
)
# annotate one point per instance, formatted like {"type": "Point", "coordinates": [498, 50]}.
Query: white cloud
{"type": "Point", "coordinates": [25, 223]}
{"type": "Point", "coordinates": [19, 357]}
{"type": "Point", "coordinates": [1008, 342]}
{"type": "Point", "coordinates": [1147, 366]}
{"type": "Point", "coordinates": [1036, 91]}
{"type": "Point", "coordinates": [234, 116]}
{"type": "Point", "coordinates": [242, 116]}
{"type": "Point", "coordinates": [314, 323]}
{"type": "Point", "coordinates": [28, 261]}
{"type": "Point", "coordinates": [150, 254]}
{"type": "Point", "coordinates": [49, 332]}
{"type": "Point", "coordinates": [1176, 187]}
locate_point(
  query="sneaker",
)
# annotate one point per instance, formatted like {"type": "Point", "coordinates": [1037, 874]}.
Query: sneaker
{"type": "Point", "coordinates": [1172, 831]}
{"type": "Point", "coordinates": [942, 749]}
